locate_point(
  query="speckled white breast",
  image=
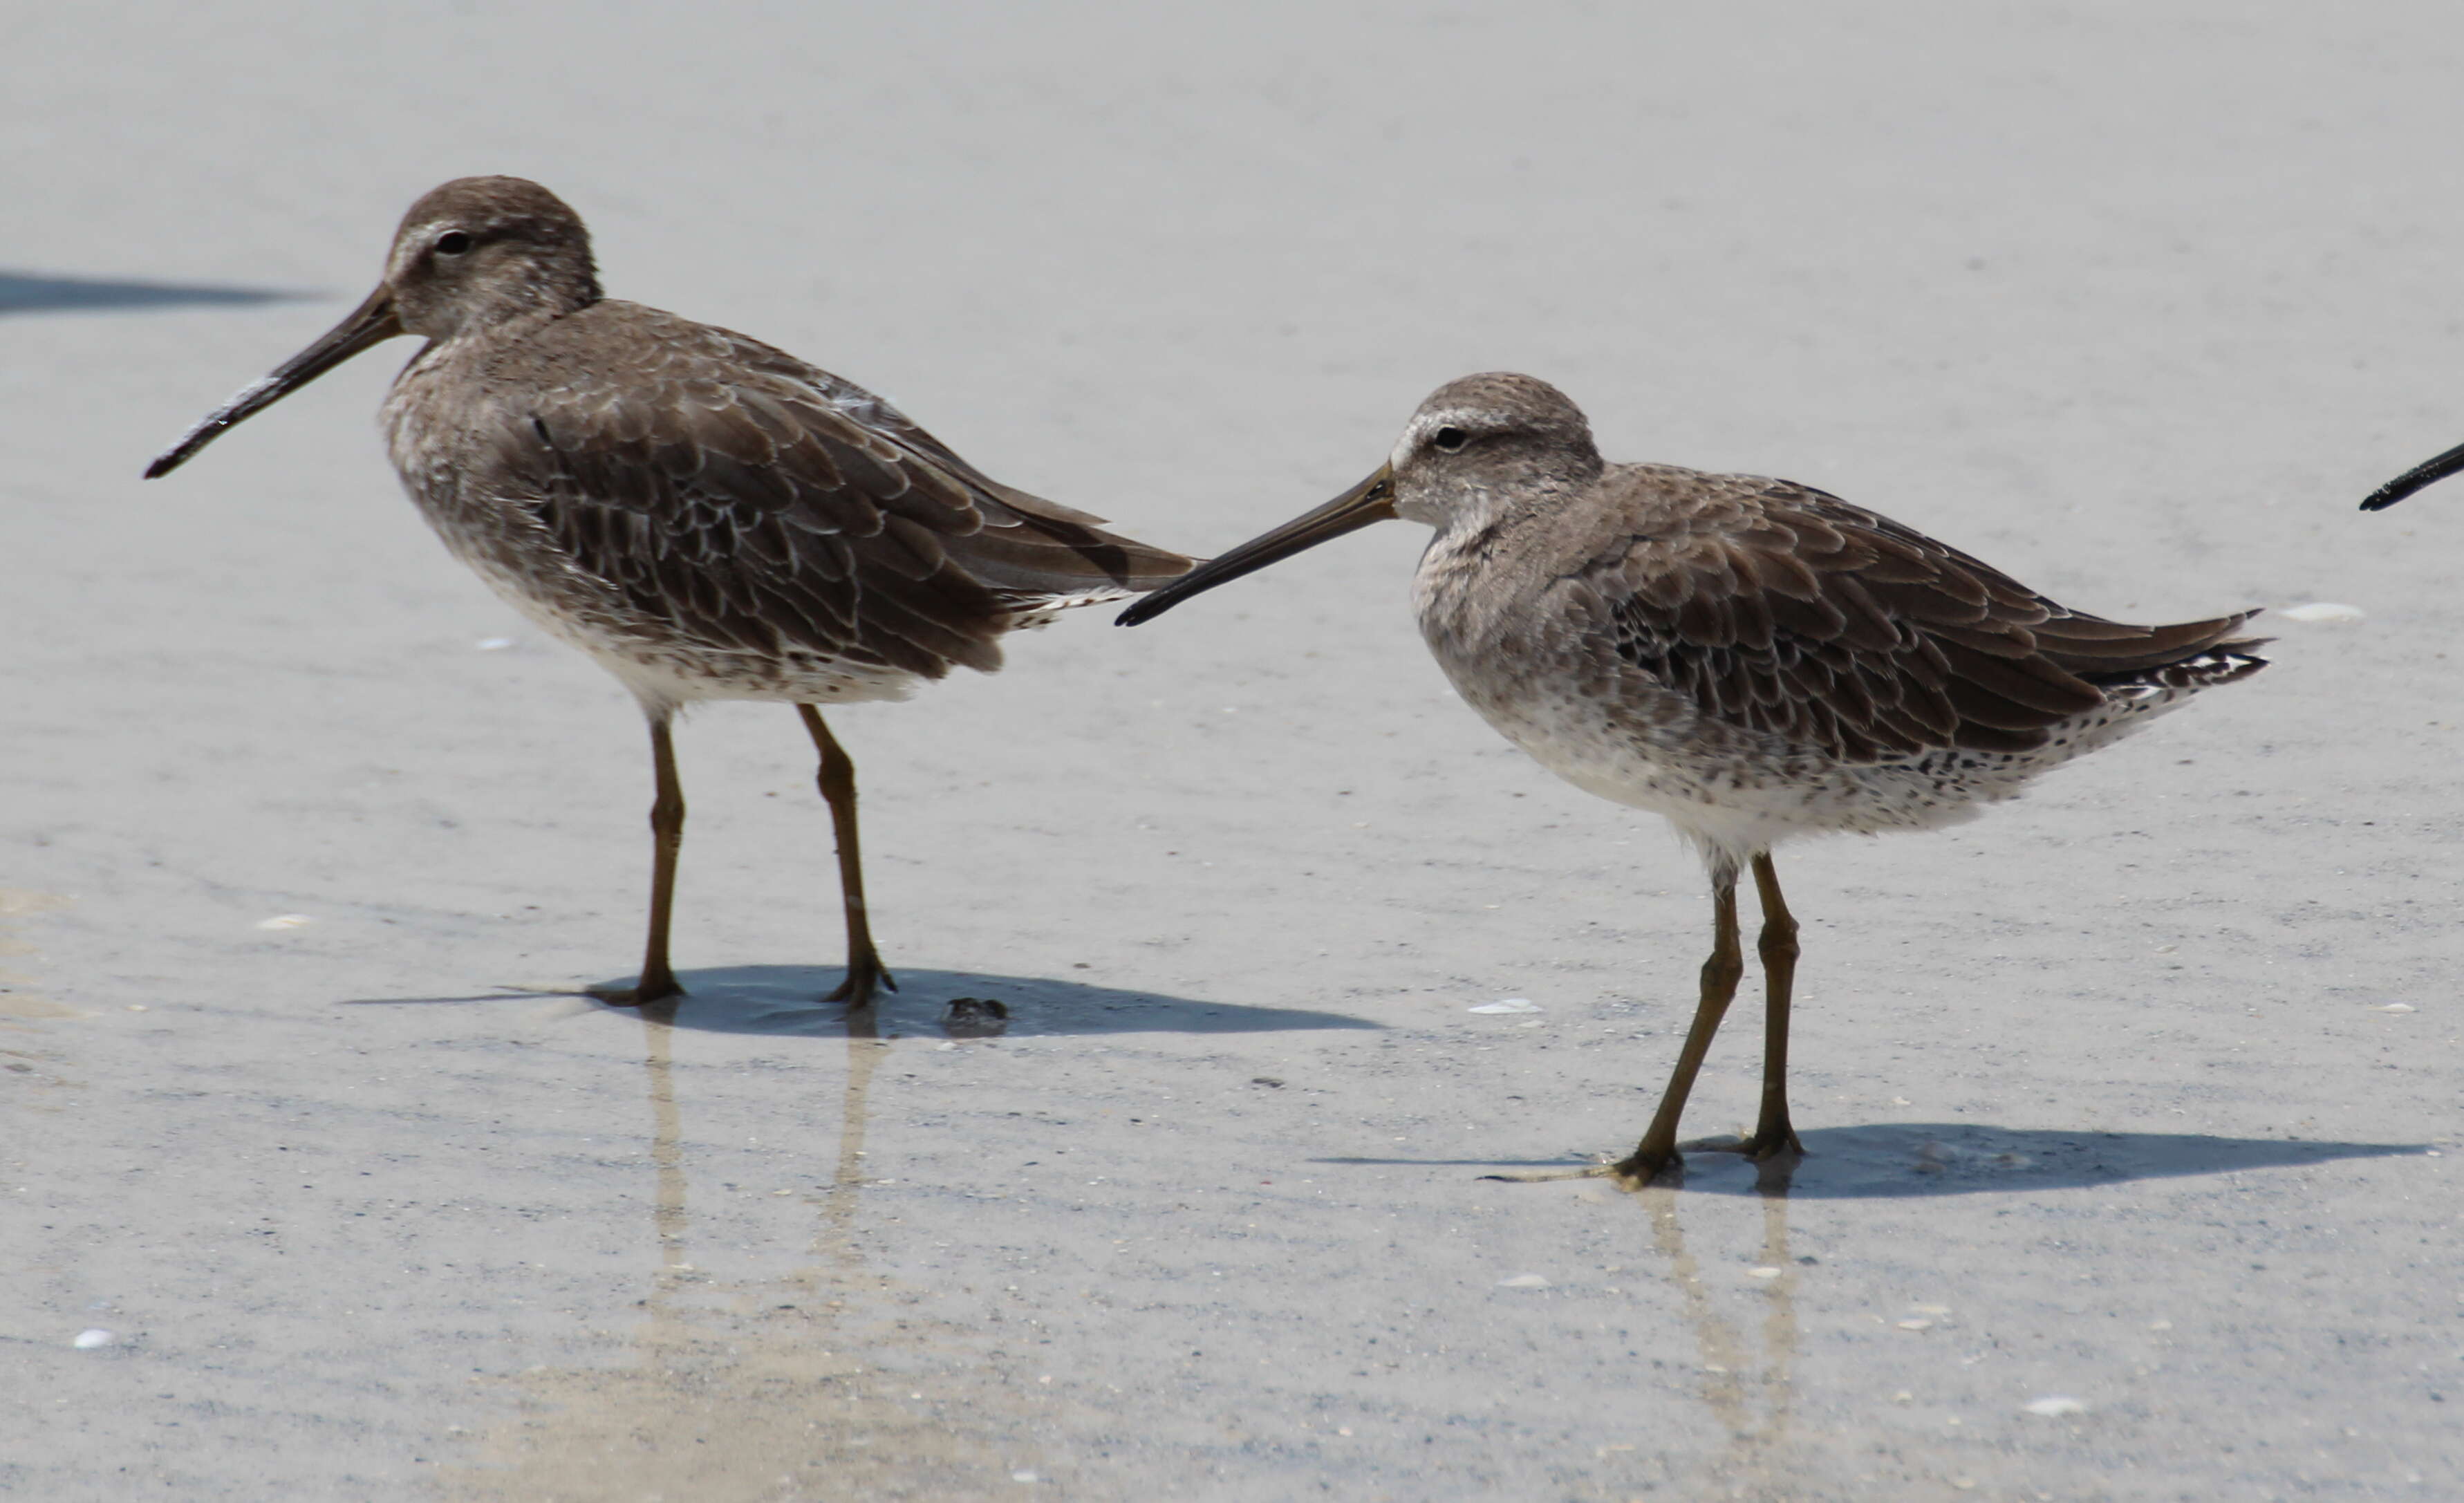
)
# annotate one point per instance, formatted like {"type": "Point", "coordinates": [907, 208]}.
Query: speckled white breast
{"type": "Point", "coordinates": [1613, 730]}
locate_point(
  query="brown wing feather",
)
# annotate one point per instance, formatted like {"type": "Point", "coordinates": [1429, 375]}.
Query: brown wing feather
{"type": "Point", "coordinates": [1027, 544]}
{"type": "Point", "coordinates": [1782, 609]}
{"type": "Point", "coordinates": [760, 501]}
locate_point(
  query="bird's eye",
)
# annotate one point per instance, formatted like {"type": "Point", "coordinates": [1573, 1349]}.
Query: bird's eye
{"type": "Point", "coordinates": [452, 242]}
{"type": "Point", "coordinates": [1449, 440]}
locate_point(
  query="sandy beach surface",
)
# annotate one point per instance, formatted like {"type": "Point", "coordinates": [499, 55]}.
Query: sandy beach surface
{"type": "Point", "coordinates": [2132, 1109]}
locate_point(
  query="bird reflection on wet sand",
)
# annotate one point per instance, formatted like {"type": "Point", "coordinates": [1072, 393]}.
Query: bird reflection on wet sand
{"type": "Point", "coordinates": [1751, 1394]}
{"type": "Point", "coordinates": [828, 1381]}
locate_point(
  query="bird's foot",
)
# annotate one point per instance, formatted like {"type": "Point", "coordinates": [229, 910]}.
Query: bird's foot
{"type": "Point", "coordinates": [1650, 1166]}
{"type": "Point", "coordinates": [649, 991]}
{"type": "Point", "coordinates": [1773, 1152]}
{"type": "Point", "coordinates": [865, 976]}
{"type": "Point", "coordinates": [1763, 1147]}
{"type": "Point", "coordinates": [1769, 1144]}
{"type": "Point", "coordinates": [1656, 1165]}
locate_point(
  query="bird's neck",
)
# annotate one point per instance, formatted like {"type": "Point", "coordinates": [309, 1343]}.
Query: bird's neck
{"type": "Point", "coordinates": [509, 309]}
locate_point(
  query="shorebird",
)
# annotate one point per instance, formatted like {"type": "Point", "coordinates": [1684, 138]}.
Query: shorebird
{"type": "Point", "coordinates": [1750, 659]}
{"type": "Point", "coordinates": [707, 516]}
{"type": "Point", "coordinates": [2427, 472]}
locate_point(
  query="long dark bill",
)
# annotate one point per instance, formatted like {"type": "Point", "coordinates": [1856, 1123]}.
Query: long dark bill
{"type": "Point", "coordinates": [1372, 500]}
{"type": "Point", "coordinates": [2429, 473]}
{"type": "Point", "coordinates": [372, 322]}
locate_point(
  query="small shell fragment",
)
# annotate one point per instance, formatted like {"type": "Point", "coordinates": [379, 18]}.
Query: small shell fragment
{"type": "Point", "coordinates": [286, 921]}
{"type": "Point", "coordinates": [2397, 1007]}
{"type": "Point", "coordinates": [2321, 613]}
{"type": "Point", "coordinates": [1916, 1325]}
{"type": "Point", "coordinates": [1508, 1004]}
{"type": "Point", "coordinates": [88, 1341]}
{"type": "Point", "coordinates": [1523, 1281]}
{"type": "Point", "coordinates": [2054, 1406]}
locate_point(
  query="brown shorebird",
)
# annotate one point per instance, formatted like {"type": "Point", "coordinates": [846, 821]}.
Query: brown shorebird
{"type": "Point", "coordinates": [1750, 659]}
{"type": "Point", "coordinates": [707, 516]}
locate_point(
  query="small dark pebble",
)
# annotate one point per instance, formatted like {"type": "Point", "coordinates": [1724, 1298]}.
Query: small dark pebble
{"type": "Point", "coordinates": [975, 1018]}
{"type": "Point", "coordinates": [1265, 1080]}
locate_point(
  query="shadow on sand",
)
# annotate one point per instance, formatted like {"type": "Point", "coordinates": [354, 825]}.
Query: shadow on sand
{"type": "Point", "coordinates": [1923, 1159]}
{"type": "Point", "coordinates": [25, 292]}
{"type": "Point", "coordinates": [783, 1001]}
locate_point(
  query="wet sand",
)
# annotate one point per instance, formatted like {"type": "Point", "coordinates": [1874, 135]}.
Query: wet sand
{"type": "Point", "coordinates": [2131, 1108]}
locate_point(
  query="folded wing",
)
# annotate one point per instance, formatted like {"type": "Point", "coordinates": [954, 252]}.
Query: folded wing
{"type": "Point", "coordinates": [1781, 609]}
{"type": "Point", "coordinates": [761, 502]}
